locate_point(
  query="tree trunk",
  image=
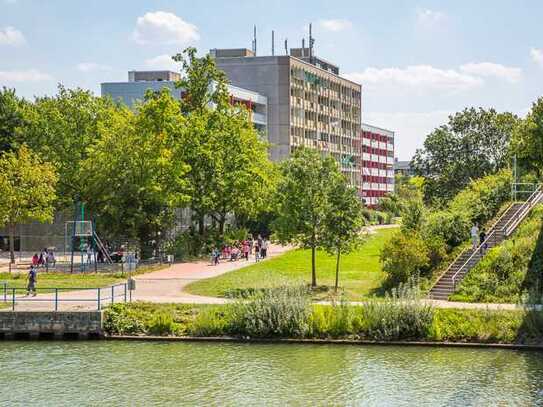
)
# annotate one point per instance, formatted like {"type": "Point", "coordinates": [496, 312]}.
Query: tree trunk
{"type": "Point", "coordinates": [313, 272]}
{"type": "Point", "coordinates": [222, 221]}
{"type": "Point", "coordinates": [337, 269]}
{"type": "Point", "coordinates": [201, 225]}
{"type": "Point", "coordinates": [12, 243]}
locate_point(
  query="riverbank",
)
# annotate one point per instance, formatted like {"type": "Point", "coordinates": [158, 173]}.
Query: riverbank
{"type": "Point", "coordinates": [374, 323]}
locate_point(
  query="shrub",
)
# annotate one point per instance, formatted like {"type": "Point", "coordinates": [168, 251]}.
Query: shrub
{"type": "Point", "coordinates": [401, 315]}
{"type": "Point", "coordinates": [281, 311]}
{"type": "Point", "coordinates": [121, 319]}
{"type": "Point", "coordinates": [404, 256]}
{"type": "Point", "coordinates": [212, 321]}
{"type": "Point", "coordinates": [413, 213]}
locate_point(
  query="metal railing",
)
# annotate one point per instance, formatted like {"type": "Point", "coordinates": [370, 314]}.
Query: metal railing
{"type": "Point", "coordinates": [467, 249]}
{"type": "Point", "coordinates": [100, 296]}
{"type": "Point", "coordinates": [506, 229]}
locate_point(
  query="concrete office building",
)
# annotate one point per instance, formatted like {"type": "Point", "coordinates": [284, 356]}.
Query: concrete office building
{"type": "Point", "coordinates": [377, 163]}
{"type": "Point", "coordinates": [141, 81]}
{"type": "Point", "coordinates": [309, 104]}
{"type": "Point", "coordinates": [403, 168]}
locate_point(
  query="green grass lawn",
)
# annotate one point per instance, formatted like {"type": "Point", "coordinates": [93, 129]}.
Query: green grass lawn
{"type": "Point", "coordinates": [67, 280]}
{"type": "Point", "coordinates": [360, 273]}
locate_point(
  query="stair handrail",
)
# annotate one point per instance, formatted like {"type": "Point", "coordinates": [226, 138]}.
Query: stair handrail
{"type": "Point", "coordinates": [524, 208]}
{"type": "Point", "coordinates": [467, 249]}
{"type": "Point", "coordinates": [521, 213]}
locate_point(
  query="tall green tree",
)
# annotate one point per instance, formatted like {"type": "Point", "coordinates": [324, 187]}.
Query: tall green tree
{"type": "Point", "coordinates": [230, 172]}
{"type": "Point", "coordinates": [133, 175]}
{"type": "Point", "coordinates": [474, 143]}
{"type": "Point", "coordinates": [343, 221]}
{"type": "Point", "coordinates": [61, 129]}
{"type": "Point", "coordinates": [11, 118]}
{"type": "Point", "coordinates": [27, 190]}
{"type": "Point", "coordinates": [528, 140]}
{"type": "Point", "coordinates": [303, 201]}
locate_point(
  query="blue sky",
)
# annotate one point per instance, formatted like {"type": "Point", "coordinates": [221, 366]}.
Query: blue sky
{"type": "Point", "coordinates": [417, 61]}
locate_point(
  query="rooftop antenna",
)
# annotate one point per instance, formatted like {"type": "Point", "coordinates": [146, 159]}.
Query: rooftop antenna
{"type": "Point", "coordinates": [286, 46]}
{"type": "Point", "coordinates": [273, 43]}
{"type": "Point", "coordinates": [311, 43]}
{"type": "Point", "coordinates": [254, 39]}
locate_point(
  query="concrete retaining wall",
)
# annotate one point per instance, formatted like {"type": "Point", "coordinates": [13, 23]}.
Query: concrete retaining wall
{"type": "Point", "coordinates": [50, 324]}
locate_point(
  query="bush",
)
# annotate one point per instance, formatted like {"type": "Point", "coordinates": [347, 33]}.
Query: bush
{"type": "Point", "coordinates": [121, 319]}
{"type": "Point", "coordinates": [162, 324]}
{"type": "Point", "coordinates": [401, 315]}
{"type": "Point", "coordinates": [212, 321]}
{"type": "Point", "coordinates": [404, 256]}
{"type": "Point", "coordinates": [281, 311]}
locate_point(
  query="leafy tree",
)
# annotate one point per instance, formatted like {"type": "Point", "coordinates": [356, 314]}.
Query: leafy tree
{"type": "Point", "coordinates": [404, 256]}
{"type": "Point", "coordinates": [133, 175]}
{"type": "Point", "coordinates": [474, 143]}
{"type": "Point", "coordinates": [203, 83]}
{"type": "Point", "coordinates": [61, 129]}
{"type": "Point", "coordinates": [303, 201]}
{"type": "Point", "coordinates": [528, 140]}
{"type": "Point", "coordinates": [11, 118]}
{"type": "Point", "coordinates": [27, 190]}
{"type": "Point", "coordinates": [229, 168]}
{"type": "Point", "coordinates": [343, 222]}
{"type": "Point", "coordinates": [413, 213]}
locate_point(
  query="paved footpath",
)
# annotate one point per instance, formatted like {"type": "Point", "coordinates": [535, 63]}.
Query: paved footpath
{"type": "Point", "coordinates": [162, 286]}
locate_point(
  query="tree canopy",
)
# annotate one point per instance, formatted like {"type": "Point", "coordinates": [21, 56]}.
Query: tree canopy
{"type": "Point", "coordinates": [474, 143]}
{"type": "Point", "coordinates": [27, 190]}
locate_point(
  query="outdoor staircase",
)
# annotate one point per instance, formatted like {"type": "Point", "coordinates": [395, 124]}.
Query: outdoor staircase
{"type": "Point", "coordinates": [467, 259]}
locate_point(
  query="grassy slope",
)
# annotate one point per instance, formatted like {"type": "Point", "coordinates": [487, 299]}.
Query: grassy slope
{"type": "Point", "coordinates": [508, 269]}
{"type": "Point", "coordinates": [360, 273]}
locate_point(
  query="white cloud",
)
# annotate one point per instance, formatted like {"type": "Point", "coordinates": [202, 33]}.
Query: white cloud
{"type": "Point", "coordinates": [92, 67]}
{"type": "Point", "coordinates": [162, 62]}
{"type": "Point", "coordinates": [161, 27]}
{"type": "Point", "coordinates": [430, 18]}
{"type": "Point", "coordinates": [484, 69]}
{"type": "Point", "coordinates": [11, 36]}
{"type": "Point", "coordinates": [419, 77]}
{"type": "Point", "coordinates": [30, 75]}
{"type": "Point", "coordinates": [335, 24]}
{"type": "Point", "coordinates": [537, 55]}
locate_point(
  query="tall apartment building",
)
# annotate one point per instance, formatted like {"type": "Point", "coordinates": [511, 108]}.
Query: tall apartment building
{"type": "Point", "coordinates": [140, 81]}
{"type": "Point", "coordinates": [377, 163]}
{"type": "Point", "coordinates": [309, 104]}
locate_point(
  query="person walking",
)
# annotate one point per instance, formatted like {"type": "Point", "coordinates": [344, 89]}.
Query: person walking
{"type": "Point", "coordinates": [31, 287]}
{"type": "Point", "coordinates": [264, 248]}
{"type": "Point", "coordinates": [483, 246]}
{"type": "Point", "coordinates": [245, 248]}
{"type": "Point", "coordinates": [474, 236]}
{"type": "Point", "coordinates": [35, 260]}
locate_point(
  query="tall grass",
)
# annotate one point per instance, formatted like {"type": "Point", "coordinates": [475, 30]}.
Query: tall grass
{"type": "Point", "coordinates": [401, 315]}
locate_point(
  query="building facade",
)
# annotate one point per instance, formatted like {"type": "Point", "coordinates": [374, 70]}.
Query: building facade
{"type": "Point", "coordinates": [309, 104]}
{"type": "Point", "coordinates": [377, 163]}
{"type": "Point", "coordinates": [140, 82]}
{"type": "Point", "coordinates": [403, 168]}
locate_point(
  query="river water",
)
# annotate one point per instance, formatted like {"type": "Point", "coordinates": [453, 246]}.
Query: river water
{"type": "Point", "coordinates": [142, 373]}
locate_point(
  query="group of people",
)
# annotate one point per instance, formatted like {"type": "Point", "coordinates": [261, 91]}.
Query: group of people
{"type": "Point", "coordinates": [242, 250]}
{"type": "Point", "coordinates": [478, 239]}
{"type": "Point", "coordinates": [46, 258]}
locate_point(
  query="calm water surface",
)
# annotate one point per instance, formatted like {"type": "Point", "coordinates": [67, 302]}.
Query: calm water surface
{"type": "Point", "coordinates": [161, 373]}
